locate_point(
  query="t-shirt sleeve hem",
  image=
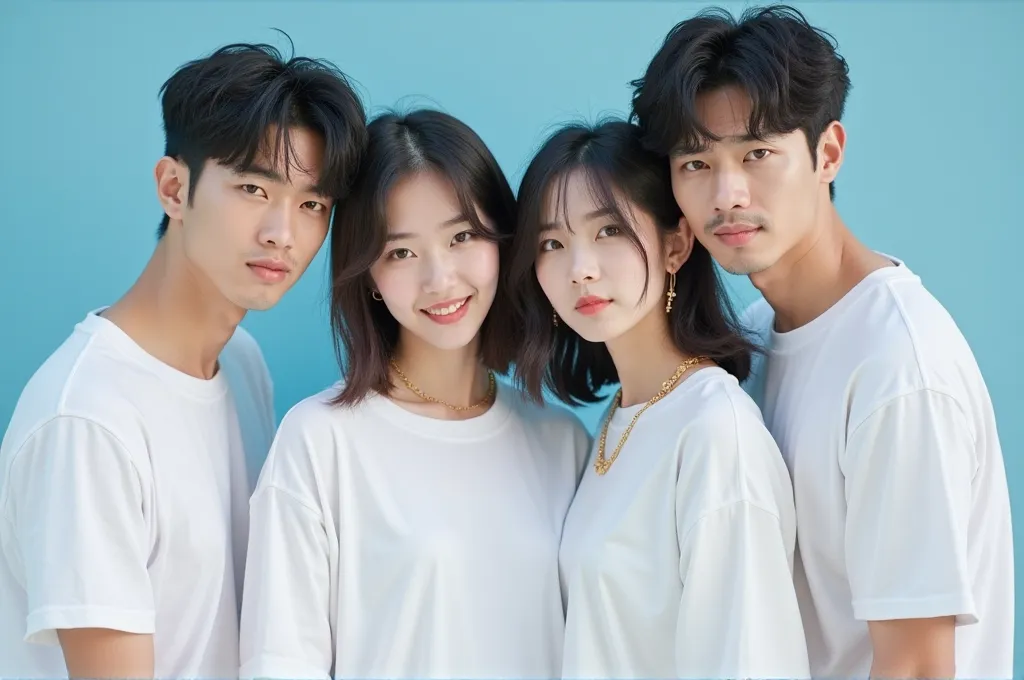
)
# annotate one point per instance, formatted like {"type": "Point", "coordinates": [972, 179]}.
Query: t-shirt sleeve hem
{"type": "Point", "coordinates": [272, 666]}
{"type": "Point", "coordinates": [43, 624]}
{"type": "Point", "coordinates": [959, 605]}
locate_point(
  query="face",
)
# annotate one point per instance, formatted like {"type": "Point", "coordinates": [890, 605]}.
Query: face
{"type": "Point", "coordinates": [593, 276]}
{"type": "Point", "coordinates": [251, 234]}
{"type": "Point", "coordinates": [436, 277]}
{"type": "Point", "coordinates": [750, 202]}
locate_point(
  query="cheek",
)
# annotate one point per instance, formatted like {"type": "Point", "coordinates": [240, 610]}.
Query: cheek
{"type": "Point", "coordinates": [550, 274]}
{"type": "Point", "coordinates": [396, 282]}
{"type": "Point", "coordinates": [480, 265]}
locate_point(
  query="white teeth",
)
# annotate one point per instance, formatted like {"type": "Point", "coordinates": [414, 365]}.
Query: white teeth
{"type": "Point", "coordinates": [445, 311]}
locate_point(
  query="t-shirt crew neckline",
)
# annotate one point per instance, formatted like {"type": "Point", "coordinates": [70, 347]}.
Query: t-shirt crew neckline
{"type": "Point", "coordinates": [198, 388]}
{"type": "Point", "coordinates": [791, 341]}
{"type": "Point", "coordinates": [483, 426]}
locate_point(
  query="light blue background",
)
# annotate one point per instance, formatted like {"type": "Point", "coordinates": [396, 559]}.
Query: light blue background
{"type": "Point", "coordinates": [932, 175]}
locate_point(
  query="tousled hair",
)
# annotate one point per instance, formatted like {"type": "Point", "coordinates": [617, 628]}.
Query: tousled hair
{"type": "Point", "coordinates": [792, 72]}
{"type": "Point", "coordinates": [244, 100]}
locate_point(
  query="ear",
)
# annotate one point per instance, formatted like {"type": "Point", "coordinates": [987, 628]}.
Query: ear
{"type": "Point", "coordinates": [678, 246]}
{"type": "Point", "coordinates": [171, 185]}
{"type": "Point", "coordinates": [831, 148]}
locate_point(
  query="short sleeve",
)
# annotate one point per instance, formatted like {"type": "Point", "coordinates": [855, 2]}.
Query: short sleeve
{"type": "Point", "coordinates": [738, 614]}
{"type": "Point", "coordinates": [80, 532]}
{"type": "Point", "coordinates": [286, 628]}
{"type": "Point", "coordinates": [909, 468]}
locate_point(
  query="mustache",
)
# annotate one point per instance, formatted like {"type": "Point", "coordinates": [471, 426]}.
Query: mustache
{"type": "Point", "coordinates": [735, 218]}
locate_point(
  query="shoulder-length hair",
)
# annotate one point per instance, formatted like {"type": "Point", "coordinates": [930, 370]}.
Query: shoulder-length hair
{"type": "Point", "coordinates": [365, 332]}
{"type": "Point", "coordinates": [615, 163]}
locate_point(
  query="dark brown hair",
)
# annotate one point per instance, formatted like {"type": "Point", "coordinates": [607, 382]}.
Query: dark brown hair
{"type": "Point", "coordinates": [365, 332]}
{"type": "Point", "coordinates": [702, 321]}
{"type": "Point", "coordinates": [224, 106]}
{"type": "Point", "coordinates": [791, 71]}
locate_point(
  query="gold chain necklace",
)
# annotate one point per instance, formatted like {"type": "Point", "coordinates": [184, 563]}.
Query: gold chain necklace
{"type": "Point", "coordinates": [491, 389]}
{"type": "Point", "coordinates": [601, 465]}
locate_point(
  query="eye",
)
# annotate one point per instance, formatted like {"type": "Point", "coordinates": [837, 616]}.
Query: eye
{"type": "Point", "coordinates": [758, 154]}
{"type": "Point", "coordinates": [550, 244]}
{"type": "Point", "coordinates": [463, 237]}
{"type": "Point", "coordinates": [253, 190]}
{"type": "Point", "coordinates": [693, 166]}
{"type": "Point", "coordinates": [610, 230]}
{"type": "Point", "coordinates": [315, 206]}
{"type": "Point", "coordinates": [400, 254]}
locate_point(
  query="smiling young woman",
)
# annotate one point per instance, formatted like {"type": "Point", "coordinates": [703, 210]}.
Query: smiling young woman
{"type": "Point", "coordinates": [407, 520]}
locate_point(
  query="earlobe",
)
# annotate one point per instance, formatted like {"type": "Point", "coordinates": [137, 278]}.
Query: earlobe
{"type": "Point", "coordinates": [678, 246]}
{"type": "Point", "coordinates": [831, 150]}
{"type": "Point", "coordinates": [171, 185]}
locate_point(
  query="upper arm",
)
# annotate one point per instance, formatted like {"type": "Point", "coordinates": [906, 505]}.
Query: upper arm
{"type": "Point", "coordinates": [286, 629]}
{"type": "Point", "coordinates": [738, 616]}
{"type": "Point", "coordinates": [909, 468]}
{"type": "Point", "coordinates": [81, 537]}
{"type": "Point", "coordinates": [100, 653]}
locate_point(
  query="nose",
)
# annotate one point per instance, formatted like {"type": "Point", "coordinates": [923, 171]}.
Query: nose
{"type": "Point", "coordinates": [439, 275]}
{"type": "Point", "coordinates": [278, 228]}
{"type": "Point", "coordinates": [732, 191]}
{"type": "Point", "coordinates": [584, 266]}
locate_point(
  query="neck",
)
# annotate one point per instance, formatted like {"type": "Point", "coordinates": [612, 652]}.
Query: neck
{"type": "Point", "coordinates": [454, 376]}
{"type": "Point", "coordinates": [174, 313]}
{"type": "Point", "coordinates": [645, 357]}
{"type": "Point", "coordinates": [816, 274]}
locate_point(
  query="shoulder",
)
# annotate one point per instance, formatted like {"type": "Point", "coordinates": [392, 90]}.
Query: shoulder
{"type": "Point", "coordinates": [756, 320]}
{"type": "Point", "coordinates": [244, 360]}
{"type": "Point", "coordinates": [908, 343]}
{"type": "Point", "coordinates": [725, 448]}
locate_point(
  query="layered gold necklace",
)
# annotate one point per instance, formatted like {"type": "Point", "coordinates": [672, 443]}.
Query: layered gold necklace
{"type": "Point", "coordinates": [491, 390]}
{"type": "Point", "coordinates": [601, 465]}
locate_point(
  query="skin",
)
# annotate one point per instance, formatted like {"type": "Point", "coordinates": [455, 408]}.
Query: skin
{"type": "Point", "coordinates": [191, 296]}
{"type": "Point", "coordinates": [431, 262]}
{"type": "Point", "coordinates": [595, 258]}
{"type": "Point", "coordinates": [803, 260]}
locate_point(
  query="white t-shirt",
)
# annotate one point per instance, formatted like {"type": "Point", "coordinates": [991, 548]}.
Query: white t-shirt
{"type": "Point", "coordinates": [386, 544]}
{"type": "Point", "coordinates": [123, 498]}
{"type": "Point", "coordinates": [678, 562]}
{"type": "Point", "coordinates": [902, 506]}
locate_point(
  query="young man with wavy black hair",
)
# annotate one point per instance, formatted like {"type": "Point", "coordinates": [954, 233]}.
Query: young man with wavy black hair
{"type": "Point", "coordinates": [867, 384]}
{"type": "Point", "coordinates": [123, 479]}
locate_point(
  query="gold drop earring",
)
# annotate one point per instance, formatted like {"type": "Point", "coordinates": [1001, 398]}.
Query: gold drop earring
{"type": "Point", "coordinates": [671, 291]}
{"type": "Point", "coordinates": [554, 317]}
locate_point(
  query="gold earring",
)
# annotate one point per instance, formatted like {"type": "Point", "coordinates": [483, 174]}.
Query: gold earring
{"type": "Point", "coordinates": [554, 317]}
{"type": "Point", "coordinates": [671, 291]}
{"type": "Point", "coordinates": [375, 294]}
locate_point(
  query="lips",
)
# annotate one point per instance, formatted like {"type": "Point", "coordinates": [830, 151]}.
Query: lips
{"type": "Point", "coordinates": [591, 304]}
{"type": "Point", "coordinates": [448, 311]}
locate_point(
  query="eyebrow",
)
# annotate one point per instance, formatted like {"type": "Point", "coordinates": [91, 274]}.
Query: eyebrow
{"type": "Point", "coordinates": [705, 145]}
{"type": "Point", "coordinates": [275, 176]}
{"type": "Point", "coordinates": [592, 215]}
{"type": "Point", "coordinates": [450, 222]}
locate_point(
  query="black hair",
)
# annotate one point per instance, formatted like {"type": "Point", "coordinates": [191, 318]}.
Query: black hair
{"type": "Point", "coordinates": [791, 71]}
{"type": "Point", "coordinates": [424, 140]}
{"type": "Point", "coordinates": [222, 107]}
{"type": "Point", "coordinates": [616, 164]}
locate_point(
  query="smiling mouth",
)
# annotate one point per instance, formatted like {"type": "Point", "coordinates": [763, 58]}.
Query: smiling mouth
{"type": "Point", "coordinates": [445, 311]}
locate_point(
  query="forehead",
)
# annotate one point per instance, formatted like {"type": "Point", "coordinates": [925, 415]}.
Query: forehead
{"type": "Point", "coordinates": [295, 157]}
{"type": "Point", "coordinates": [725, 112]}
{"type": "Point", "coordinates": [570, 196]}
{"type": "Point", "coordinates": [422, 200]}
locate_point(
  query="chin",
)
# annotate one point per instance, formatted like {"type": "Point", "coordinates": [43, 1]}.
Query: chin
{"type": "Point", "coordinates": [454, 337]}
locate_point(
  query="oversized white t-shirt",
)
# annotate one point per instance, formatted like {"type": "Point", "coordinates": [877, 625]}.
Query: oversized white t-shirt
{"type": "Point", "coordinates": [385, 544]}
{"type": "Point", "coordinates": [123, 502]}
{"type": "Point", "coordinates": [888, 431]}
{"type": "Point", "coordinates": [677, 563]}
